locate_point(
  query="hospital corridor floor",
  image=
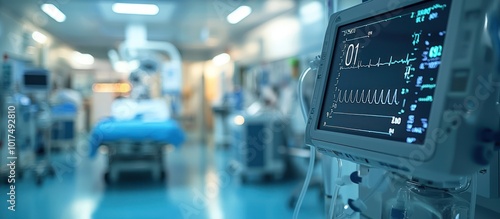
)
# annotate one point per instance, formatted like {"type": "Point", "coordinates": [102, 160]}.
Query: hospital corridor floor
{"type": "Point", "coordinates": [198, 185]}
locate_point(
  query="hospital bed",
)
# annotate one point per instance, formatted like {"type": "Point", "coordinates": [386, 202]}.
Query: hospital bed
{"type": "Point", "coordinates": [135, 144]}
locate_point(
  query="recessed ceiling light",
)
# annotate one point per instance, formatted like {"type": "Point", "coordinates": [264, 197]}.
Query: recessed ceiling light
{"type": "Point", "coordinates": [239, 14]}
{"type": "Point", "coordinates": [139, 9]}
{"type": "Point", "coordinates": [221, 59]}
{"type": "Point", "coordinates": [39, 37]}
{"type": "Point", "coordinates": [83, 59]}
{"type": "Point", "coordinates": [53, 12]}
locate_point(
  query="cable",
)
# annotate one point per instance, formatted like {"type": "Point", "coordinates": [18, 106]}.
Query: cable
{"type": "Point", "coordinates": [472, 208]}
{"type": "Point", "coordinates": [306, 181]}
{"type": "Point", "coordinates": [312, 149]}
{"type": "Point", "coordinates": [300, 93]}
{"type": "Point", "coordinates": [335, 195]}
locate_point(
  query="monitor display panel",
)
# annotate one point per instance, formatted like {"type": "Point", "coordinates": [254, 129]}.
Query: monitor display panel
{"type": "Point", "coordinates": [384, 73]}
{"type": "Point", "coordinates": [36, 79]}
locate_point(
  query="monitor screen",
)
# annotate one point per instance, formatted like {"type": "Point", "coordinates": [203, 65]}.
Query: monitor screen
{"type": "Point", "coordinates": [35, 79]}
{"type": "Point", "coordinates": [383, 73]}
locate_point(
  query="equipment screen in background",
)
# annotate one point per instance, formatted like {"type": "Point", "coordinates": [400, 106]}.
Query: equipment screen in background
{"type": "Point", "coordinates": [35, 80]}
{"type": "Point", "coordinates": [384, 71]}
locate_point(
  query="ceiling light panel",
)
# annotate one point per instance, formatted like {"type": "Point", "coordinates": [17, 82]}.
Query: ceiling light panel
{"type": "Point", "coordinates": [53, 12]}
{"type": "Point", "coordinates": [137, 9]}
{"type": "Point", "coordinates": [39, 37]}
{"type": "Point", "coordinates": [164, 14]}
{"type": "Point", "coordinates": [239, 14]}
{"type": "Point", "coordinates": [221, 59]}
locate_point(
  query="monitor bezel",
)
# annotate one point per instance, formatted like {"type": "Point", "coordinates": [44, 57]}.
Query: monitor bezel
{"type": "Point", "coordinates": [358, 143]}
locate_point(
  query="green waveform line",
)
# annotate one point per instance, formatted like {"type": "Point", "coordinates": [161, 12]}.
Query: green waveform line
{"type": "Point", "coordinates": [406, 61]}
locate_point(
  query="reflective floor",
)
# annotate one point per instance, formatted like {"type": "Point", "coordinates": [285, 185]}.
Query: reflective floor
{"type": "Point", "coordinates": [199, 185]}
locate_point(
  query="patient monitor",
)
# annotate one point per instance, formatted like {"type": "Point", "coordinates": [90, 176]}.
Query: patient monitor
{"type": "Point", "coordinates": [35, 80]}
{"type": "Point", "coordinates": [409, 86]}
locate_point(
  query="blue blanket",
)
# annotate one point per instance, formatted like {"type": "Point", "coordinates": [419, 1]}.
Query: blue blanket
{"type": "Point", "coordinates": [109, 130]}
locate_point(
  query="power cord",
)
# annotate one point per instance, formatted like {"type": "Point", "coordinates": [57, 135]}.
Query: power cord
{"type": "Point", "coordinates": [333, 204]}
{"type": "Point", "coordinates": [313, 66]}
{"type": "Point", "coordinates": [312, 150]}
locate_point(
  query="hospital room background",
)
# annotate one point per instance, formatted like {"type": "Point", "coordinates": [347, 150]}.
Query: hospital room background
{"type": "Point", "coordinates": [188, 109]}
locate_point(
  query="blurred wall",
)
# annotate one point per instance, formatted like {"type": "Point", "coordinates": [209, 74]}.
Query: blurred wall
{"type": "Point", "coordinates": [15, 38]}
{"type": "Point", "coordinates": [201, 93]}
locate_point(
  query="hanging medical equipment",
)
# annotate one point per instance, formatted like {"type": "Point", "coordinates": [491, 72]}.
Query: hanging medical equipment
{"type": "Point", "coordinates": [410, 87]}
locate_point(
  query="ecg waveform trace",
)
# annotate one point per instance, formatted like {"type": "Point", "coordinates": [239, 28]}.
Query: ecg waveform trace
{"type": "Point", "coordinates": [376, 97]}
{"type": "Point", "coordinates": [405, 61]}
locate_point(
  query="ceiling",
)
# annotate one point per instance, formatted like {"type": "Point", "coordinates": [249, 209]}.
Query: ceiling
{"type": "Point", "coordinates": [197, 27]}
